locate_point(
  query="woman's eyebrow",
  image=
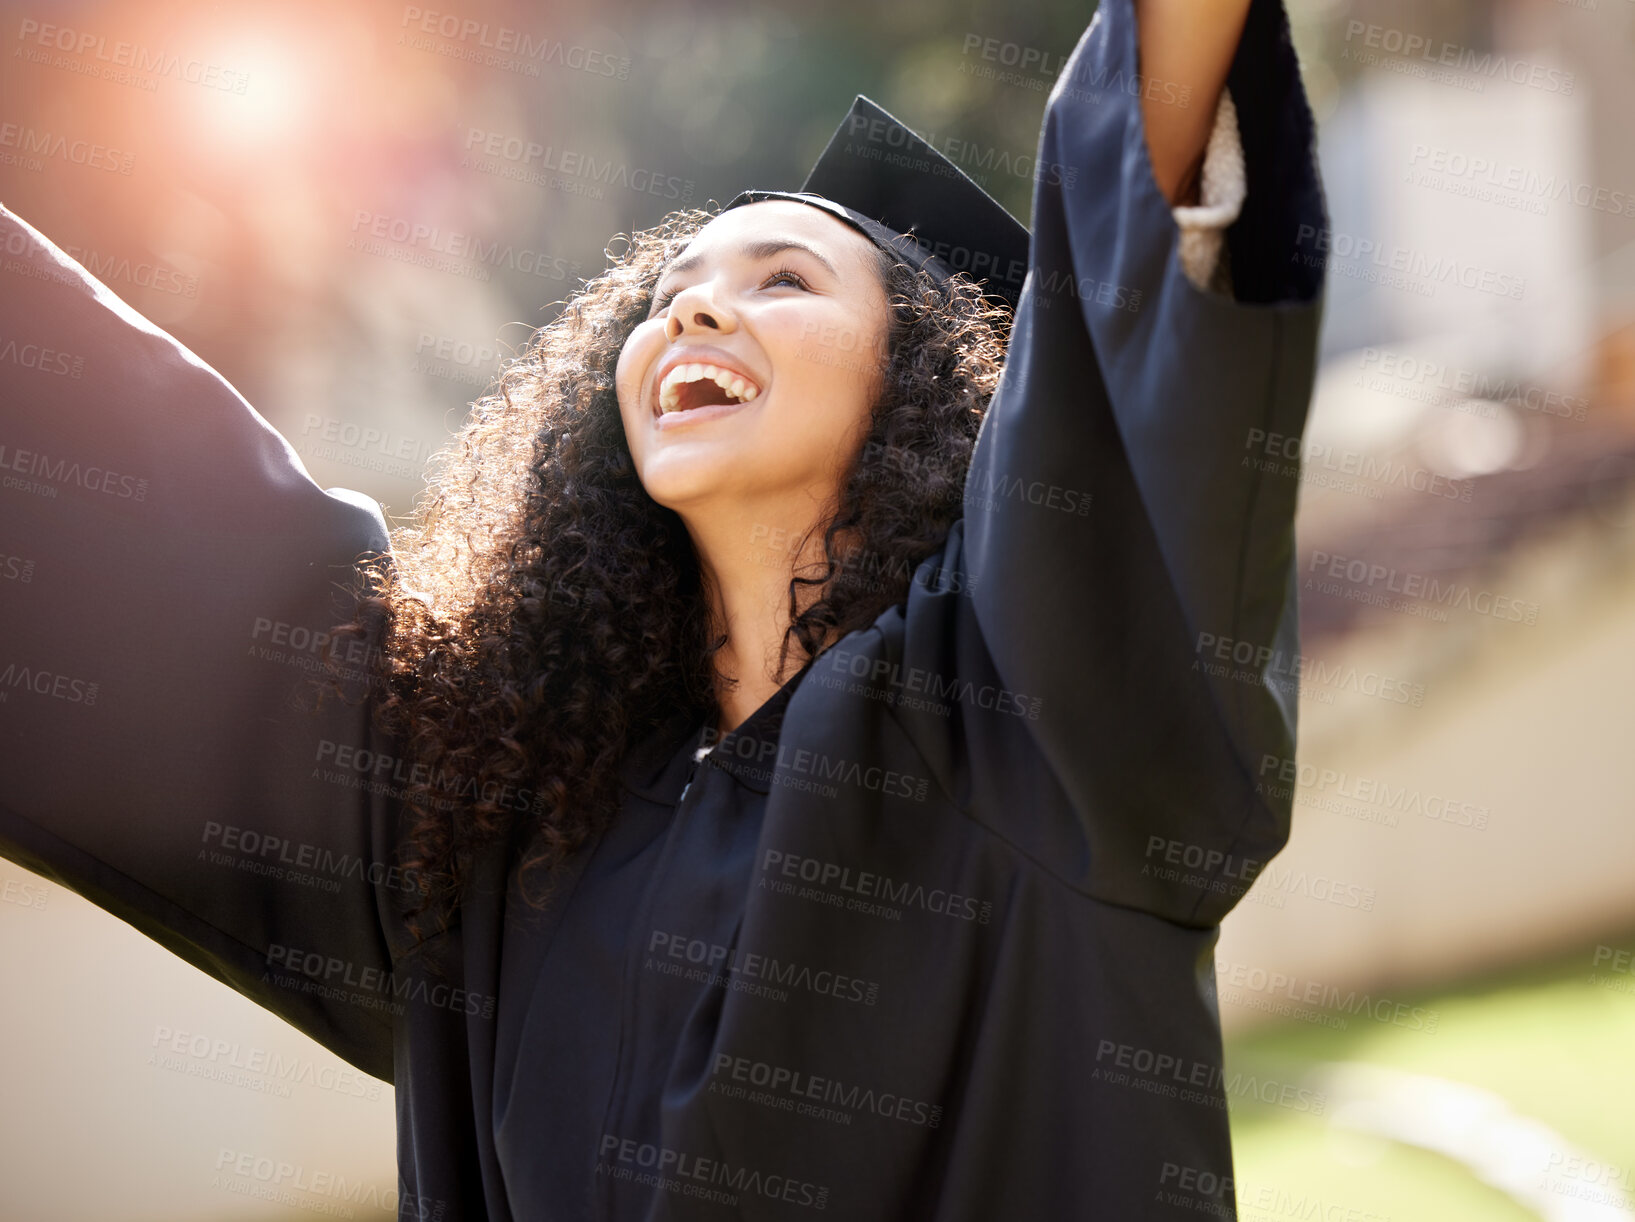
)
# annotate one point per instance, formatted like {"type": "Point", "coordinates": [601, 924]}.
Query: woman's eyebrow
{"type": "Point", "coordinates": [763, 248]}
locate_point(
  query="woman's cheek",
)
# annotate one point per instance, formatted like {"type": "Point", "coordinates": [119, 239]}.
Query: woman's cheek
{"type": "Point", "coordinates": [627, 373]}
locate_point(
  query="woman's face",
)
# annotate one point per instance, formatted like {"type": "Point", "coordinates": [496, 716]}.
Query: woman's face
{"type": "Point", "coordinates": [786, 302]}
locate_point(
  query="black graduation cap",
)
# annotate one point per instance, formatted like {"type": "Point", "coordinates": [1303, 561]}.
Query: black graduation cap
{"type": "Point", "coordinates": [882, 179]}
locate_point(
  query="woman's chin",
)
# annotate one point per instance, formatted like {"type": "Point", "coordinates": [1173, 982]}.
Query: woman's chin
{"type": "Point", "coordinates": [683, 481]}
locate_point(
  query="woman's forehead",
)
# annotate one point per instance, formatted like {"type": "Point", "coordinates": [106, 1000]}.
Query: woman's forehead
{"type": "Point", "coordinates": [778, 220]}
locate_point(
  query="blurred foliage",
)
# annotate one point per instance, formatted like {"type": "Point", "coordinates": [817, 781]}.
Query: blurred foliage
{"type": "Point", "coordinates": [352, 111]}
{"type": "Point", "coordinates": [1554, 1038]}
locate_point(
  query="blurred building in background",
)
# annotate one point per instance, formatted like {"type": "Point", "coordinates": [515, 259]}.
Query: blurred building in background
{"type": "Point", "coordinates": [1467, 527]}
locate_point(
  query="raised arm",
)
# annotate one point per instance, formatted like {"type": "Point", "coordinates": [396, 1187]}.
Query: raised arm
{"type": "Point", "coordinates": [1129, 384]}
{"type": "Point", "coordinates": [183, 572]}
{"type": "Point", "coordinates": [1187, 46]}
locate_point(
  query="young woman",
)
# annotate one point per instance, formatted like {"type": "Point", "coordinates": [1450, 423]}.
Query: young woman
{"type": "Point", "coordinates": [786, 767]}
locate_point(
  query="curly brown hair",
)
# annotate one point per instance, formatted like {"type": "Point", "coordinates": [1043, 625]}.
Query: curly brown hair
{"type": "Point", "coordinates": [540, 613]}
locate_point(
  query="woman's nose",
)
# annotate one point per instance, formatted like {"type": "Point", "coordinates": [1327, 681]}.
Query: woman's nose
{"type": "Point", "coordinates": [696, 309]}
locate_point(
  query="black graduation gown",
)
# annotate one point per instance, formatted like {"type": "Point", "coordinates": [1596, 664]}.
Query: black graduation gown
{"type": "Point", "coordinates": [929, 936]}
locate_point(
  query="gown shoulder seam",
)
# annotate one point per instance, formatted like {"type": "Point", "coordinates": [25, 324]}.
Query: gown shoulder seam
{"type": "Point", "coordinates": [1044, 867]}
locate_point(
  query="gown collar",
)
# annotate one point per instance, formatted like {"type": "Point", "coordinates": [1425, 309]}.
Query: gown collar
{"type": "Point", "coordinates": [658, 767]}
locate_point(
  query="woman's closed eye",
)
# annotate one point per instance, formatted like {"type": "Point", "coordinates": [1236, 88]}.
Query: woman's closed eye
{"type": "Point", "coordinates": [661, 301]}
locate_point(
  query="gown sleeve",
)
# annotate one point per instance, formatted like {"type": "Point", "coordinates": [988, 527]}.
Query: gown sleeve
{"type": "Point", "coordinates": [171, 574]}
{"type": "Point", "coordinates": [1151, 397]}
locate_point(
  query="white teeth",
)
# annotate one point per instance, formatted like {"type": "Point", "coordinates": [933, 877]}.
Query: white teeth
{"type": "Point", "coordinates": [734, 384]}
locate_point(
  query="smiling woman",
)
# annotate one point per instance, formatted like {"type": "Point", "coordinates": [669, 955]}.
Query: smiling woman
{"type": "Point", "coordinates": [734, 544]}
{"type": "Point", "coordinates": [758, 770]}
{"type": "Point", "coordinates": [753, 295]}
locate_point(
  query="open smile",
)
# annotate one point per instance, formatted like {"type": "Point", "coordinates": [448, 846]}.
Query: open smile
{"type": "Point", "coordinates": [700, 383]}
